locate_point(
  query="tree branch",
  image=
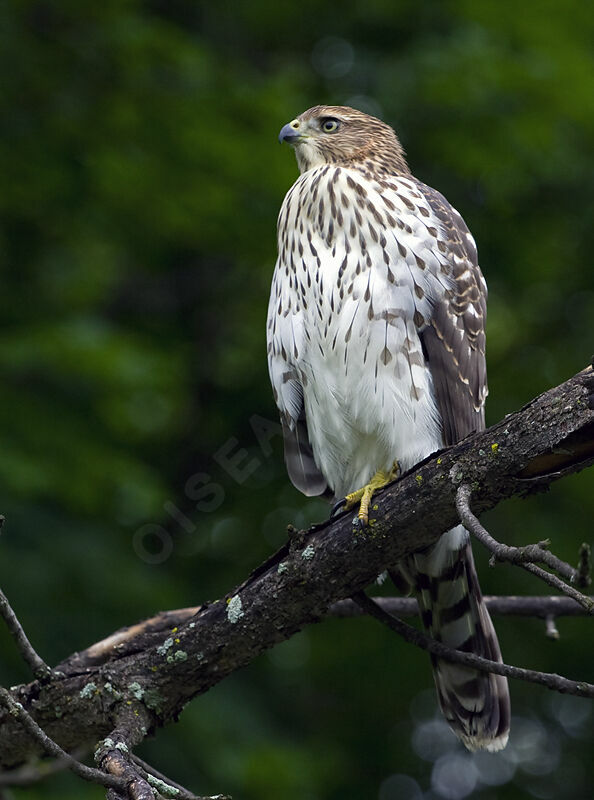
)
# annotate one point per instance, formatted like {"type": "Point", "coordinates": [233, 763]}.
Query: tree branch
{"type": "Point", "coordinates": [529, 553]}
{"type": "Point", "coordinates": [35, 772]}
{"type": "Point", "coordinates": [522, 556]}
{"type": "Point", "coordinates": [153, 675]}
{"type": "Point", "coordinates": [50, 747]}
{"type": "Point", "coordinates": [420, 639]}
{"type": "Point", "coordinates": [542, 607]}
{"type": "Point", "coordinates": [166, 786]}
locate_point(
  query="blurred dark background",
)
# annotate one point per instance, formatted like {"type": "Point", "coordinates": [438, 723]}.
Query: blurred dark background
{"type": "Point", "coordinates": [141, 183]}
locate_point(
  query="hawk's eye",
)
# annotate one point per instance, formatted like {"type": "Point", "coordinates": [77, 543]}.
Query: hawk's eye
{"type": "Point", "coordinates": [330, 125]}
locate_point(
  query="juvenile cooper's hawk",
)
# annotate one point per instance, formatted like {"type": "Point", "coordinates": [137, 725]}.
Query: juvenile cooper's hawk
{"type": "Point", "coordinates": [376, 349]}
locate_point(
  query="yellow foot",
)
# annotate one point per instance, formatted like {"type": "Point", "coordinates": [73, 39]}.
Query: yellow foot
{"type": "Point", "coordinates": [363, 496]}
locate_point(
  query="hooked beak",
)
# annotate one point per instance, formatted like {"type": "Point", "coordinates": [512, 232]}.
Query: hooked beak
{"type": "Point", "coordinates": [290, 133]}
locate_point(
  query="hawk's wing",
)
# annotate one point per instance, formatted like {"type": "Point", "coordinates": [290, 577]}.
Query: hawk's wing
{"type": "Point", "coordinates": [299, 459]}
{"type": "Point", "coordinates": [285, 331]}
{"type": "Point", "coordinates": [454, 340]}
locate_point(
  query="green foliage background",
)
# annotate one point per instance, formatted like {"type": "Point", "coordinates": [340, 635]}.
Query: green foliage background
{"type": "Point", "coordinates": [141, 183]}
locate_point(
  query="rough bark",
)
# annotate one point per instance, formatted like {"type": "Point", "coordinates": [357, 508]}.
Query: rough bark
{"type": "Point", "coordinates": [143, 681]}
{"type": "Point", "coordinates": [536, 606]}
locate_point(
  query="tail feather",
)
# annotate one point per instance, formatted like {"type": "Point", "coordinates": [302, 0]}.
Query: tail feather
{"type": "Point", "coordinates": [475, 704]}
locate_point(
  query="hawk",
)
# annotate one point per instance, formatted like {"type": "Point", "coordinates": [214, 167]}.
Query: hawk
{"type": "Point", "coordinates": [376, 352]}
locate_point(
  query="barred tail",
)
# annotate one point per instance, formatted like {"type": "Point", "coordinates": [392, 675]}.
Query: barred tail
{"type": "Point", "coordinates": [475, 704]}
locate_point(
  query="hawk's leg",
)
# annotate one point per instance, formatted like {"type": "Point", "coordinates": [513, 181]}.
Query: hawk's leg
{"type": "Point", "coordinates": [364, 495]}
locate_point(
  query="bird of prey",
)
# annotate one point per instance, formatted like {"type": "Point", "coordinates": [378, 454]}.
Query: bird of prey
{"type": "Point", "coordinates": [376, 352]}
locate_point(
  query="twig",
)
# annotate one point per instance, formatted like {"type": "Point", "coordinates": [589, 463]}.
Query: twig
{"type": "Point", "coordinates": [416, 637]}
{"type": "Point", "coordinates": [560, 586]}
{"type": "Point", "coordinates": [16, 710]}
{"type": "Point", "coordinates": [37, 665]}
{"type": "Point", "coordinates": [28, 775]}
{"type": "Point", "coordinates": [147, 770]}
{"type": "Point", "coordinates": [530, 553]}
{"type": "Point", "coordinates": [513, 605]}
{"type": "Point", "coordinates": [522, 556]}
{"type": "Point", "coordinates": [159, 781]}
{"type": "Point", "coordinates": [34, 773]}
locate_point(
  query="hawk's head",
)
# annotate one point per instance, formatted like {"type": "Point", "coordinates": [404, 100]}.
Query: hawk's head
{"type": "Point", "coordinates": [345, 137]}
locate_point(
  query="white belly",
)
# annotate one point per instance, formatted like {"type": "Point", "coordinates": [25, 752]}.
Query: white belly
{"type": "Point", "coordinates": [361, 419]}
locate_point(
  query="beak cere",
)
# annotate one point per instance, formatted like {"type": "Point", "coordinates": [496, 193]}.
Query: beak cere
{"type": "Point", "coordinates": [290, 133]}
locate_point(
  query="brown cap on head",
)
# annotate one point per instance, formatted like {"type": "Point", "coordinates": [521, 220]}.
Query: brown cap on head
{"type": "Point", "coordinates": [345, 137]}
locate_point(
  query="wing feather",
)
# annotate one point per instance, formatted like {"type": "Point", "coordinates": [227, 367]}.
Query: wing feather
{"type": "Point", "coordinates": [299, 458]}
{"type": "Point", "coordinates": [283, 340]}
{"type": "Point", "coordinates": [454, 340]}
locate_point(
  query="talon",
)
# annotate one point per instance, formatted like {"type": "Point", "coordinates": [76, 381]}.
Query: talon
{"type": "Point", "coordinates": [351, 500]}
{"type": "Point", "coordinates": [394, 472]}
{"type": "Point", "coordinates": [363, 496]}
{"type": "Point", "coordinates": [341, 505]}
{"type": "Point", "coordinates": [364, 507]}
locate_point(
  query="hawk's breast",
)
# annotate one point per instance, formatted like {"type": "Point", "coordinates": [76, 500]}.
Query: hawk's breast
{"type": "Point", "coordinates": [361, 265]}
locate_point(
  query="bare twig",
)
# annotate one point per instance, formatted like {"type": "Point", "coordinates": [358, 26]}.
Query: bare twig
{"type": "Point", "coordinates": [161, 783]}
{"type": "Point", "coordinates": [16, 710]}
{"type": "Point", "coordinates": [37, 665]}
{"type": "Point", "coordinates": [31, 774]}
{"type": "Point", "coordinates": [34, 773]}
{"type": "Point", "coordinates": [522, 556]}
{"type": "Point", "coordinates": [513, 605]}
{"type": "Point", "coordinates": [560, 586]}
{"type": "Point", "coordinates": [530, 553]}
{"type": "Point", "coordinates": [416, 637]}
